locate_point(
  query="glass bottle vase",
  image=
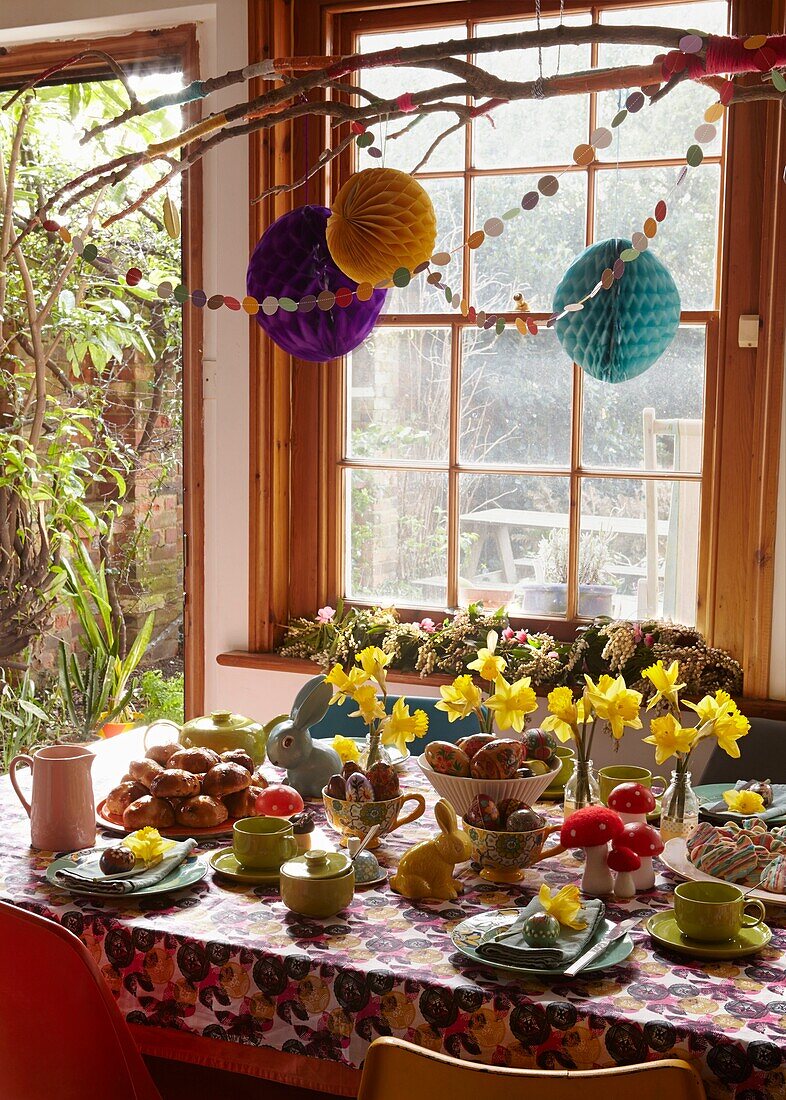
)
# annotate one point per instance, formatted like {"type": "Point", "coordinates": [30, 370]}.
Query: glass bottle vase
{"type": "Point", "coordinates": [679, 810]}
{"type": "Point", "coordinates": [581, 788]}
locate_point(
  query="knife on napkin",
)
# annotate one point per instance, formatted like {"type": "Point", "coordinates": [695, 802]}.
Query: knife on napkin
{"type": "Point", "coordinates": [616, 933]}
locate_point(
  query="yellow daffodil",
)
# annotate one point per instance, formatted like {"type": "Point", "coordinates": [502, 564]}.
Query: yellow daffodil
{"type": "Point", "coordinates": [719, 716]}
{"type": "Point", "coordinates": [374, 661]}
{"type": "Point", "coordinates": [486, 664]}
{"type": "Point", "coordinates": [664, 680]}
{"type": "Point", "coordinates": [712, 706]}
{"type": "Point", "coordinates": [615, 703]}
{"type": "Point", "coordinates": [670, 738]}
{"type": "Point", "coordinates": [401, 727]}
{"type": "Point", "coordinates": [565, 905]}
{"type": "Point", "coordinates": [459, 699]}
{"type": "Point", "coordinates": [148, 845]}
{"type": "Point", "coordinates": [565, 714]}
{"type": "Point", "coordinates": [743, 802]}
{"type": "Point", "coordinates": [511, 703]}
{"type": "Point", "coordinates": [345, 683]}
{"type": "Point", "coordinates": [346, 748]}
{"type": "Point", "coordinates": [369, 706]}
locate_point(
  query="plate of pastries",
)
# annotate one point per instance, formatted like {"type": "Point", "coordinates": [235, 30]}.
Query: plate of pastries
{"type": "Point", "coordinates": [184, 792]}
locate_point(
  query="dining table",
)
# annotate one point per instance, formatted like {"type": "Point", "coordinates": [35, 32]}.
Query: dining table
{"type": "Point", "coordinates": [222, 974]}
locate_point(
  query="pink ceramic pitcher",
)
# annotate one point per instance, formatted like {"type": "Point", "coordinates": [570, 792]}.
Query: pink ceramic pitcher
{"type": "Point", "coordinates": [61, 809]}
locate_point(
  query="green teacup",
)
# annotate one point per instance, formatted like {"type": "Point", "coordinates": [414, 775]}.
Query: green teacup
{"type": "Point", "coordinates": [263, 843]}
{"type": "Point", "coordinates": [611, 777]}
{"type": "Point", "coordinates": [714, 911]}
{"type": "Point", "coordinates": [567, 759]}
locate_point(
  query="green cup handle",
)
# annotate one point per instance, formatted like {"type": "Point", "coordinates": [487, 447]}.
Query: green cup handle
{"type": "Point", "coordinates": [662, 782]}
{"type": "Point", "coordinates": [292, 846]}
{"type": "Point", "coordinates": [759, 907]}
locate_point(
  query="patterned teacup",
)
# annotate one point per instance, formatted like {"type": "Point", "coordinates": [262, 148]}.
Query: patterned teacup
{"type": "Point", "coordinates": [504, 855]}
{"type": "Point", "coordinates": [356, 818]}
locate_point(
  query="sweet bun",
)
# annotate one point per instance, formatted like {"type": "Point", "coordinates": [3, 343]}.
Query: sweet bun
{"type": "Point", "coordinates": [175, 783]}
{"type": "Point", "coordinates": [120, 797]}
{"type": "Point", "coordinates": [202, 812]}
{"type": "Point", "coordinates": [243, 803]}
{"type": "Point", "coordinates": [162, 753]}
{"type": "Point", "coordinates": [144, 771]}
{"type": "Point", "coordinates": [149, 811]}
{"type": "Point", "coordinates": [197, 761]}
{"type": "Point", "coordinates": [225, 779]}
{"type": "Point", "coordinates": [238, 756]}
{"type": "Point", "coordinates": [259, 780]}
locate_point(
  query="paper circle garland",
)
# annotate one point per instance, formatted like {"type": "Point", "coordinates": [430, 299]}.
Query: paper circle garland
{"type": "Point", "coordinates": [382, 220]}
{"type": "Point", "coordinates": [308, 306]}
{"type": "Point", "coordinates": [620, 333]}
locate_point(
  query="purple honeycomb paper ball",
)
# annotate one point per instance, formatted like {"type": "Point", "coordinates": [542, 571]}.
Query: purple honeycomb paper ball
{"type": "Point", "coordinates": [291, 260]}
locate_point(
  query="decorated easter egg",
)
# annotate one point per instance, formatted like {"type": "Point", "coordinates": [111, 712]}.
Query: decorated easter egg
{"type": "Point", "coordinates": [523, 821]}
{"type": "Point", "coordinates": [483, 812]}
{"type": "Point", "coordinates": [384, 781]}
{"type": "Point", "coordinates": [367, 868]}
{"type": "Point", "coordinates": [507, 807]}
{"type": "Point", "coordinates": [351, 767]}
{"type": "Point", "coordinates": [497, 761]}
{"type": "Point", "coordinates": [336, 787]}
{"type": "Point", "coordinates": [447, 759]}
{"type": "Point", "coordinates": [359, 789]}
{"type": "Point", "coordinates": [537, 767]}
{"type": "Point", "coordinates": [540, 930]}
{"type": "Point", "coordinates": [538, 744]}
{"type": "Point", "coordinates": [524, 772]}
{"type": "Point", "coordinates": [470, 745]}
{"type": "Point", "coordinates": [278, 800]}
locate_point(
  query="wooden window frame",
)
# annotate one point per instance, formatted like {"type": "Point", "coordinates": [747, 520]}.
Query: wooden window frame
{"type": "Point", "coordinates": [295, 426]}
{"type": "Point", "coordinates": [137, 52]}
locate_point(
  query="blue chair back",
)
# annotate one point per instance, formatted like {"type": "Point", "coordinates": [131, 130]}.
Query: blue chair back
{"type": "Point", "coordinates": [337, 720]}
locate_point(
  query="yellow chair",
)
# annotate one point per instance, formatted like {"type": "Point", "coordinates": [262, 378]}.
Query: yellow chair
{"type": "Point", "coordinates": [395, 1070]}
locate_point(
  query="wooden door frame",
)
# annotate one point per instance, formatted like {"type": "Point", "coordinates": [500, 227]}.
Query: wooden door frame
{"type": "Point", "coordinates": [146, 48]}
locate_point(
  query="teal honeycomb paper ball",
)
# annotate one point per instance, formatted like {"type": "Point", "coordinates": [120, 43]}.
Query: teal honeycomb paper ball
{"type": "Point", "coordinates": [620, 332]}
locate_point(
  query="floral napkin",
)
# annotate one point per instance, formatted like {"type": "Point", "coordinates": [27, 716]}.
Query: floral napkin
{"type": "Point", "coordinates": [86, 877]}
{"type": "Point", "coordinates": [514, 951]}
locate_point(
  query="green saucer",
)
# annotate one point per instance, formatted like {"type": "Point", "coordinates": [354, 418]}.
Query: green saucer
{"type": "Point", "coordinates": [664, 930]}
{"type": "Point", "coordinates": [224, 863]}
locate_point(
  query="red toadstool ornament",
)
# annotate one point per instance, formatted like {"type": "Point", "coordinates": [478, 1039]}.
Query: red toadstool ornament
{"type": "Point", "coordinates": [645, 841]}
{"type": "Point", "coordinates": [279, 801]}
{"type": "Point", "coordinates": [593, 828]}
{"type": "Point", "coordinates": [632, 801]}
{"type": "Point", "coordinates": [625, 863]}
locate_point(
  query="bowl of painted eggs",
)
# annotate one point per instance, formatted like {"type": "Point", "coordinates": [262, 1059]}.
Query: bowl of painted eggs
{"type": "Point", "coordinates": [499, 767]}
{"type": "Point", "coordinates": [506, 837]}
{"type": "Point", "coordinates": [355, 800]}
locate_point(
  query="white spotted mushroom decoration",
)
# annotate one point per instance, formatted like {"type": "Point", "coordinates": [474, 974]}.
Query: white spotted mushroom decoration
{"type": "Point", "coordinates": [645, 841]}
{"type": "Point", "coordinates": [632, 801]}
{"type": "Point", "coordinates": [593, 828]}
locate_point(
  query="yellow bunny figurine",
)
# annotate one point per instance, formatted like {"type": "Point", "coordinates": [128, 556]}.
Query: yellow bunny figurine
{"type": "Point", "coordinates": [426, 871]}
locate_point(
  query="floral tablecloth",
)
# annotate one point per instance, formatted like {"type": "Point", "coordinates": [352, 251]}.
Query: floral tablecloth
{"type": "Point", "coordinates": [232, 964]}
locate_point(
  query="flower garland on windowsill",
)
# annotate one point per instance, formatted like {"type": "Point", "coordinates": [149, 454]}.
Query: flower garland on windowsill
{"type": "Point", "coordinates": [447, 647]}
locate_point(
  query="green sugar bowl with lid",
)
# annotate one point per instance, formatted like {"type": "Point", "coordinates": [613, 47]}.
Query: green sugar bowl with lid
{"type": "Point", "coordinates": [318, 883]}
{"type": "Point", "coordinates": [224, 731]}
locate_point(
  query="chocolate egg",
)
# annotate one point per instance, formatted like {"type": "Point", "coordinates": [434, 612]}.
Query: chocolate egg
{"type": "Point", "coordinates": [507, 807]}
{"type": "Point", "coordinates": [446, 758]}
{"type": "Point", "coordinates": [359, 789]}
{"type": "Point", "coordinates": [537, 744]}
{"type": "Point", "coordinates": [524, 772]}
{"type": "Point", "coordinates": [498, 760]}
{"type": "Point", "coordinates": [336, 787]}
{"type": "Point", "coordinates": [523, 821]}
{"type": "Point", "coordinates": [470, 745]}
{"type": "Point", "coordinates": [383, 780]}
{"type": "Point", "coordinates": [351, 768]}
{"type": "Point", "coordinates": [483, 812]}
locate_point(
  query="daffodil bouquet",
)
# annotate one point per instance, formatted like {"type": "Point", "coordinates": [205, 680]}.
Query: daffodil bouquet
{"type": "Point", "coordinates": [366, 685]}
{"type": "Point", "coordinates": [508, 704]}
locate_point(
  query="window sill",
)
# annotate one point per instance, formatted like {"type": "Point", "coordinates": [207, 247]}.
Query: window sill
{"type": "Point", "coordinates": [274, 662]}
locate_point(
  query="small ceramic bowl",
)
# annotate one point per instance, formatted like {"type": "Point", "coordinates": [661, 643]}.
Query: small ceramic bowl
{"type": "Point", "coordinates": [318, 883]}
{"type": "Point", "coordinates": [460, 791]}
{"type": "Point", "coordinates": [504, 855]}
{"type": "Point", "coordinates": [356, 818]}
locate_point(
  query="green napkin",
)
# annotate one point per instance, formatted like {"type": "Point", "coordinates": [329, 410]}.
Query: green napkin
{"type": "Point", "coordinates": [777, 809]}
{"type": "Point", "coordinates": [86, 877]}
{"type": "Point", "coordinates": [514, 951]}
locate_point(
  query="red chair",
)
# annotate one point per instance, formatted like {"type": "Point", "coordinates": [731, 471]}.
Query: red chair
{"type": "Point", "coordinates": [62, 1036]}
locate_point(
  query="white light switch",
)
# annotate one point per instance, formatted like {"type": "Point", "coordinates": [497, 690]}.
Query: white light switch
{"type": "Point", "coordinates": [748, 336]}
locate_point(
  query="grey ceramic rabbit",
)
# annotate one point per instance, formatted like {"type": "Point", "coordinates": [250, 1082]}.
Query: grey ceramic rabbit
{"type": "Point", "coordinates": [309, 763]}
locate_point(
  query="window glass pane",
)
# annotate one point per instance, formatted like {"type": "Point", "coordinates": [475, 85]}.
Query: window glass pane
{"type": "Point", "coordinates": [530, 132]}
{"type": "Point", "coordinates": [404, 152]}
{"type": "Point", "coordinates": [447, 195]}
{"type": "Point", "coordinates": [666, 128]}
{"type": "Point", "coordinates": [503, 521]}
{"type": "Point", "coordinates": [398, 395]}
{"type": "Point", "coordinates": [614, 429]}
{"type": "Point", "coordinates": [515, 399]}
{"type": "Point", "coordinates": [535, 248]}
{"type": "Point", "coordinates": [639, 553]}
{"type": "Point", "coordinates": [686, 241]}
{"type": "Point", "coordinates": [396, 536]}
